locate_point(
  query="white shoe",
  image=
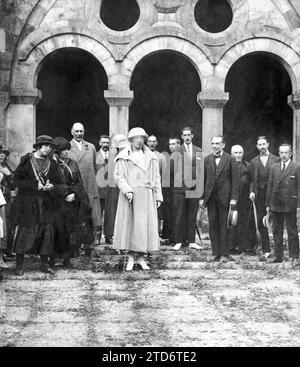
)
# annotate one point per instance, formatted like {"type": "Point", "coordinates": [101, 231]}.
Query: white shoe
{"type": "Point", "coordinates": [177, 246]}
{"type": "Point", "coordinates": [130, 263]}
{"type": "Point", "coordinates": [142, 263]}
{"type": "Point", "coordinates": [195, 246]}
{"type": "Point", "coordinates": [267, 255]}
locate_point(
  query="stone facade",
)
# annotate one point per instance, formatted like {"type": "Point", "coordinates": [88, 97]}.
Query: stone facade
{"type": "Point", "coordinates": [32, 29]}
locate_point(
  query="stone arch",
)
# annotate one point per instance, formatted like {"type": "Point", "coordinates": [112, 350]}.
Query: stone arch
{"type": "Point", "coordinates": [170, 43]}
{"type": "Point", "coordinates": [288, 57]}
{"type": "Point", "coordinates": [25, 72]}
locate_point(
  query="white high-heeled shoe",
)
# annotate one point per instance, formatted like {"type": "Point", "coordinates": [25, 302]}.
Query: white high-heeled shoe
{"type": "Point", "coordinates": [142, 263]}
{"type": "Point", "coordinates": [130, 263]}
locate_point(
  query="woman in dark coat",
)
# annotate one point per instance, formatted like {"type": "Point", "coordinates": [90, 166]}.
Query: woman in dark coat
{"type": "Point", "coordinates": [32, 211]}
{"type": "Point", "coordinates": [7, 186]}
{"type": "Point", "coordinates": [73, 218]}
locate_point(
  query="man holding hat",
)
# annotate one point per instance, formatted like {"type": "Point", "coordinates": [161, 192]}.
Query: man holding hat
{"type": "Point", "coordinates": [137, 176]}
{"type": "Point", "coordinates": [32, 211]}
{"type": "Point", "coordinates": [282, 200]}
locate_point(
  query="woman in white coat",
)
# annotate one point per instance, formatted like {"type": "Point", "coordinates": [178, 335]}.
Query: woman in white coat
{"type": "Point", "coordinates": [137, 176]}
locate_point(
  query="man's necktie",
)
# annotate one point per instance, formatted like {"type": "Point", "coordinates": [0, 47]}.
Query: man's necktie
{"type": "Point", "coordinates": [283, 167]}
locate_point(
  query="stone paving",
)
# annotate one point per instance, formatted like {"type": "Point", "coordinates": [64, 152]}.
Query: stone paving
{"type": "Point", "coordinates": [185, 300]}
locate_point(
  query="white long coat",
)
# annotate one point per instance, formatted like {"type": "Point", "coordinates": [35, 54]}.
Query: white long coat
{"type": "Point", "coordinates": [136, 225]}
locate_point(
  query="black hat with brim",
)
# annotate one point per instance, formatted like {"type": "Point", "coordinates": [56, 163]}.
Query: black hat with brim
{"type": "Point", "coordinates": [43, 140]}
{"type": "Point", "coordinates": [61, 144]}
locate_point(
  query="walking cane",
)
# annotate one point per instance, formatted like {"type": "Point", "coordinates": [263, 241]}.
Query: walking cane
{"type": "Point", "coordinates": [125, 253]}
{"type": "Point", "coordinates": [258, 236]}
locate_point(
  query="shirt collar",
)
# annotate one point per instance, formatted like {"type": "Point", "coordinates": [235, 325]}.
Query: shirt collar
{"type": "Point", "coordinates": [265, 154]}
{"type": "Point", "coordinates": [286, 163]}
{"type": "Point", "coordinates": [219, 155]}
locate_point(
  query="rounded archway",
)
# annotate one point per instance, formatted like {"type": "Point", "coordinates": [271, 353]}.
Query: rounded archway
{"type": "Point", "coordinates": [72, 82]}
{"type": "Point", "coordinates": [258, 85]}
{"type": "Point", "coordinates": [165, 86]}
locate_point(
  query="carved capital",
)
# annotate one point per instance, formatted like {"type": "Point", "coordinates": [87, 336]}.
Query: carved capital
{"type": "Point", "coordinates": [212, 99]}
{"type": "Point", "coordinates": [118, 98]}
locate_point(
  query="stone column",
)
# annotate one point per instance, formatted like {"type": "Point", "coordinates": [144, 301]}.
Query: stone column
{"type": "Point", "coordinates": [212, 103]}
{"type": "Point", "coordinates": [119, 102]}
{"type": "Point", "coordinates": [4, 101]}
{"type": "Point", "coordinates": [21, 122]}
{"type": "Point", "coordinates": [294, 102]}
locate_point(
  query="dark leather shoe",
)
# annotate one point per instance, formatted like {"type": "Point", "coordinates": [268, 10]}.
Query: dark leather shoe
{"type": "Point", "coordinates": [276, 260]}
{"type": "Point", "coordinates": [46, 269]}
{"type": "Point", "coordinates": [217, 258]}
{"type": "Point", "coordinates": [108, 240]}
{"type": "Point", "coordinates": [52, 263]}
{"type": "Point", "coordinates": [19, 272]}
{"type": "Point", "coordinates": [67, 264]}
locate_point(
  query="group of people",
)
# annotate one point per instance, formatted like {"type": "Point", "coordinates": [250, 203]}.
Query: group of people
{"type": "Point", "coordinates": [64, 195]}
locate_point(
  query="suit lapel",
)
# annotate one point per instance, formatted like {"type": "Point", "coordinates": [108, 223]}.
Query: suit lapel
{"type": "Point", "coordinates": [287, 171]}
{"type": "Point", "coordinates": [222, 162]}
{"type": "Point", "coordinates": [212, 162]}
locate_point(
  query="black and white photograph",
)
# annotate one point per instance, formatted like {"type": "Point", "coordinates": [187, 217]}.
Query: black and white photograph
{"type": "Point", "coordinates": [149, 176]}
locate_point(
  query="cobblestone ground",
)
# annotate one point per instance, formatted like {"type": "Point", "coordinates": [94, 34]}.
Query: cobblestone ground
{"type": "Point", "coordinates": [185, 300]}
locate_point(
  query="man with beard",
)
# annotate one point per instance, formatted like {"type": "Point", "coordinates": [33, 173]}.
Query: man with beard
{"type": "Point", "coordinates": [242, 236]}
{"type": "Point", "coordinates": [260, 168]}
{"type": "Point", "coordinates": [32, 211]}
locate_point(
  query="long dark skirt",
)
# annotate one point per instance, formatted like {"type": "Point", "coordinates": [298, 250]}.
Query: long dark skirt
{"type": "Point", "coordinates": [37, 239]}
{"type": "Point", "coordinates": [68, 233]}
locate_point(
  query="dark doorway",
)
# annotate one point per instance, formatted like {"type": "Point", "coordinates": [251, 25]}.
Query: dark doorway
{"type": "Point", "coordinates": [165, 88]}
{"type": "Point", "coordinates": [72, 82]}
{"type": "Point", "coordinates": [259, 86]}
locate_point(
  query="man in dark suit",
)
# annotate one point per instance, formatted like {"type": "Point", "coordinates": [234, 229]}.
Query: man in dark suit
{"type": "Point", "coordinates": [260, 168]}
{"type": "Point", "coordinates": [168, 231]}
{"type": "Point", "coordinates": [283, 199]}
{"type": "Point", "coordinates": [221, 189]}
{"type": "Point", "coordinates": [187, 159]}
